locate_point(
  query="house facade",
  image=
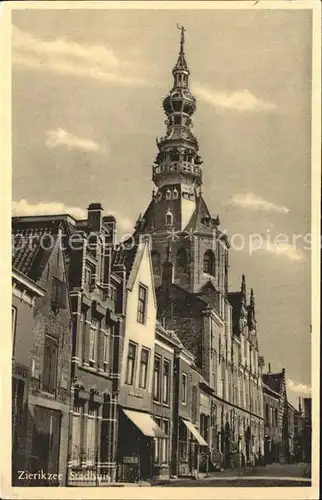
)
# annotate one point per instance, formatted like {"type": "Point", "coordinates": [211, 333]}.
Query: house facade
{"type": "Point", "coordinates": [135, 456]}
{"type": "Point", "coordinates": [97, 297]}
{"type": "Point", "coordinates": [273, 430]}
{"type": "Point", "coordinates": [276, 382]}
{"type": "Point", "coordinates": [166, 346]}
{"type": "Point", "coordinates": [43, 347]}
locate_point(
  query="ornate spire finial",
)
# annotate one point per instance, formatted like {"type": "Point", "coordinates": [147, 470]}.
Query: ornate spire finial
{"type": "Point", "coordinates": [252, 300]}
{"type": "Point", "coordinates": [182, 29]}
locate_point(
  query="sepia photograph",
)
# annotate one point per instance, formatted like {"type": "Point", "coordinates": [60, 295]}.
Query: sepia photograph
{"type": "Point", "coordinates": [163, 221]}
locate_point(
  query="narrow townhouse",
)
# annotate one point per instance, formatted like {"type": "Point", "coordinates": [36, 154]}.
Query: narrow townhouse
{"type": "Point", "coordinates": [137, 429]}
{"type": "Point", "coordinates": [24, 294]}
{"type": "Point", "coordinates": [187, 442]}
{"type": "Point", "coordinates": [166, 345]}
{"type": "Point", "coordinates": [42, 352]}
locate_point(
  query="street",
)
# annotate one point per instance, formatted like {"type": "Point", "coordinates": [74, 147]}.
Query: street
{"type": "Point", "coordinates": [271, 475]}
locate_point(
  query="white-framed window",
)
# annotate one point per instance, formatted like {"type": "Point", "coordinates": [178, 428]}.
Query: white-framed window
{"type": "Point", "coordinates": [144, 363]}
{"type": "Point", "coordinates": [184, 388]}
{"type": "Point", "coordinates": [93, 335]}
{"type": "Point", "coordinates": [91, 437]}
{"type": "Point", "coordinates": [130, 363]}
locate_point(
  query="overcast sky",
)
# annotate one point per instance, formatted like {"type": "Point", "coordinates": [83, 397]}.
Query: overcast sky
{"type": "Point", "coordinates": [86, 110]}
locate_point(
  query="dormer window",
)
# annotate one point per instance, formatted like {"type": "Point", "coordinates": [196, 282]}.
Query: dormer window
{"type": "Point", "coordinates": [168, 194]}
{"type": "Point", "coordinates": [175, 194]}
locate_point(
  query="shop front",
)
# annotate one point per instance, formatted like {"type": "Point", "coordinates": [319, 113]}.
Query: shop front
{"type": "Point", "coordinates": [138, 433]}
{"type": "Point", "coordinates": [191, 448]}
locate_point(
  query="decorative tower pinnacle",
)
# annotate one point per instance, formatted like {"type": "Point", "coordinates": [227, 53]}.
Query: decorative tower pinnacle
{"type": "Point", "coordinates": [178, 161]}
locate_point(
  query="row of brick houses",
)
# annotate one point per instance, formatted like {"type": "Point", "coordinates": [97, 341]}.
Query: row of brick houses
{"type": "Point", "coordinates": [287, 429]}
{"type": "Point", "coordinates": [91, 364]}
{"type": "Point", "coordinates": [132, 360]}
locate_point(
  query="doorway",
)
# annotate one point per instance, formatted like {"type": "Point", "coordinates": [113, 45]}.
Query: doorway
{"type": "Point", "coordinates": [45, 444]}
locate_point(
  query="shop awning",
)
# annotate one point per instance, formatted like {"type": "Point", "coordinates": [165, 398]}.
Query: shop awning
{"type": "Point", "coordinates": [145, 423]}
{"type": "Point", "coordinates": [196, 434]}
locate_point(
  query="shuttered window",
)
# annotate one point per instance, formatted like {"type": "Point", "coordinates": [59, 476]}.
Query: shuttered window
{"type": "Point", "coordinates": [50, 364]}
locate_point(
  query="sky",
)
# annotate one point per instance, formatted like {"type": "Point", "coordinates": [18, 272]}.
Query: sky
{"type": "Point", "coordinates": [87, 88]}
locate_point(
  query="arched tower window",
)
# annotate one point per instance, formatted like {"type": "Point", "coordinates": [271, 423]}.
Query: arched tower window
{"type": "Point", "coordinates": [169, 218]}
{"type": "Point", "coordinates": [209, 265]}
{"type": "Point", "coordinates": [156, 262]}
{"type": "Point", "coordinates": [182, 261]}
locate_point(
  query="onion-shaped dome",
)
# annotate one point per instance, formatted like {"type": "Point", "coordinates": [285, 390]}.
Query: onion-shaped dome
{"type": "Point", "coordinates": [179, 100]}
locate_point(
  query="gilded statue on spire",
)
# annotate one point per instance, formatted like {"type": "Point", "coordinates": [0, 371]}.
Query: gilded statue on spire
{"type": "Point", "coordinates": [182, 29]}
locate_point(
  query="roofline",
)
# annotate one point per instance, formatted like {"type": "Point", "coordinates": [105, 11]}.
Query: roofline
{"type": "Point", "coordinates": [35, 218]}
{"type": "Point", "coordinates": [267, 387]}
{"type": "Point", "coordinates": [28, 283]}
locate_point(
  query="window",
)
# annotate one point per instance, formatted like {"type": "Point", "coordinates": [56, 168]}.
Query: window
{"type": "Point", "coordinates": [183, 442]}
{"type": "Point", "coordinates": [209, 263]}
{"type": "Point", "coordinates": [168, 194]}
{"type": "Point", "coordinates": [156, 262]}
{"type": "Point", "coordinates": [130, 364]}
{"type": "Point", "coordinates": [113, 293]}
{"type": "Point", "coordinates": [267, 413]}
{"type": "Point", "coordinates": [144, 361]}
{"type": "Point", "coordinates": [194, 404]}
{"type": "Point", "coordinates": [77, 424]}
{"type": "Point", "coordinates": [157, 442]}
{"type": "Point", "coordinates": [161, 445]}
{"type": "Point", "coordinates": [165, 442]}
{"type": "Point", "coordinates": [156, 378]}
{"type": "Point", "coordinates": [181, 261]}
{"type": "Point", "coordinates": [276, 417]}
{"type": "Point", "coordinates": [168, 218]}
{"type": "Point", "coordinates": [166, 381]}
{"type": "Point", "coordinates": [174, 310]}
{"type": "Point", "coordinates": [93, 334]}
{"type": "Point", "coordinates": [142, 302]}
{"type": "Point", "coordinates": [82, 337]}
{"type": "Point", "coordinates": [50, 365]}
{"type": "Point", "coordinates": [58, 294]}
{"type": "Point", "coordinates": [13, 327]}
{"type": "Point", "coordinates": [88, 275]}
{"type": "Point", "coordinates": [184, 388]}
{"type": "Point", "coordinates": [175, 194]}
{"type": "Point", "coordinates": [91, 435]}
{"type": "Point", "coordinates": [106, 349]}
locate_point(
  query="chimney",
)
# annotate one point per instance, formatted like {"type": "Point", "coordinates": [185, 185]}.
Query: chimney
{"type": "Point", "coordinates": [110, 222]}
{"type": "Point", "coordinates": [94, 217]}
{"type": "Point", "coordinates": [269, 368]}
{"type": "Point", "coordinates": [300, 405]}
{"type": "Point", "coordinates": [283, 372]}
